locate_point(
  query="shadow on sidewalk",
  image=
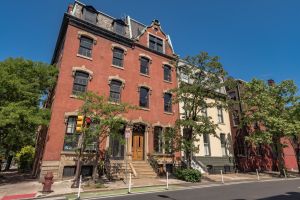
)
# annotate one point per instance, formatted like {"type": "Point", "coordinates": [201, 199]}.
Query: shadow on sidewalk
{"type": "Point", "coordinates": [13, 176]}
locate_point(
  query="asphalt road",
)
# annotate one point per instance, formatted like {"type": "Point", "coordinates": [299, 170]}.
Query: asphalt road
{"type": "Point", "coordinates": [277, 190]}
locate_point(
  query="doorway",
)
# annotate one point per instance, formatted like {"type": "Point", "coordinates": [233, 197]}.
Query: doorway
{"type": "Point", "coordinates": [137, 146]}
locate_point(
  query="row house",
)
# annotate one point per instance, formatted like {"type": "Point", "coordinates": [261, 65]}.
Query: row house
{"type": "Point", "coordinates": [124, 60]}
{"type": "Point", "coordinates": [249, 157]}
{"type": "Point", "coordinates": [214, 152]}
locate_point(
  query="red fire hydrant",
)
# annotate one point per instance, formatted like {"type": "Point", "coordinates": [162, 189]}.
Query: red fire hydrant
{"type": "Point", "coordinates": [48, 182]}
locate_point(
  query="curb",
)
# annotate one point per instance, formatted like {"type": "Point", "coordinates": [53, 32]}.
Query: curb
{"type": "Point", "coordinates": [184, 186]}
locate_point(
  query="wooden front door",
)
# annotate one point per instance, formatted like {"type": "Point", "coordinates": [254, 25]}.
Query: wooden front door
{"type": "Point", "coordinates": [137, 146]}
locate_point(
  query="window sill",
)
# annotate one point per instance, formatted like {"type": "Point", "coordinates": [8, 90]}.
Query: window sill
{"type": "Point", "coordinates": [118, 67]}
{"type": "Point", "coordinates": [114, 103]}
{"type": "Point", "coordinates": [74, 96]}
{"type": "Point", "coordinates": [146, 109]}
{"type": "Point", "coordinates": [168, 113]}
{"type": "Point", "coordinates": [221, 123]}
{"type": "Point", "coordinates": [85, 57]}
{"type": "Point", "coordinates": [64, 152]}
{"type": "Point", "coordinates": [170, 82]}
{"type": "Point", "coordinates": [146, 75]}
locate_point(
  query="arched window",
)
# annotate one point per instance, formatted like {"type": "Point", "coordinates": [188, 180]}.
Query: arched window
{"type": "Point", "coordinates": [86, 45]}
{"type": "Point", "coordinates": [115, 91]}
{"type": "Point", "coordinates": [80, 82]}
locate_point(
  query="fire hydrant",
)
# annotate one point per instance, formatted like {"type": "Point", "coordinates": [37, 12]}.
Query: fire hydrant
{"type": "Point", "coordinates": [47, 182]}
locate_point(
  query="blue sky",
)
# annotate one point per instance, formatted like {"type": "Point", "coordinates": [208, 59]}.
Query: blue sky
{"type": "Point", "coordinates": [254, 38]}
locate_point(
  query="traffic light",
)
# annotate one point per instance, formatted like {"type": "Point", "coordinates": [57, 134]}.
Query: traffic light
{"type": "Point", "coordinates": [79, 123]}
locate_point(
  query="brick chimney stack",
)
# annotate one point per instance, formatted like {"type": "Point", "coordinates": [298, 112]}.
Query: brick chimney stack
{"type": "Point", "coordinates": [271, 82]}
{"type": "Point", "coordinates": [70, 8]}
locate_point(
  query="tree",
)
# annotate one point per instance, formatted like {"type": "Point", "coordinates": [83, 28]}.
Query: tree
{"type": "Point", "coordinates": [202, 78]}
{"type": "Point", "coordinates": [23, 86]}
{"type": "Point", "coordinates": [269, 107]}
{"type": "Point", "coordinates": [106, 120]}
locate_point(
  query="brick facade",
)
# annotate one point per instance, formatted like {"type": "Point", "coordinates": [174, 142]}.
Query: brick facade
{"type": "Point", "coordinates": [101, 71]}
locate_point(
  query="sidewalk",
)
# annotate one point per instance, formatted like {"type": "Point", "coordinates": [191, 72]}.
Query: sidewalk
{"type": "Point", "coordinates": [63, 188]}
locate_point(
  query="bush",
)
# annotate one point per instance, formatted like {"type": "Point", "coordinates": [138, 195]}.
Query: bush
{"type": "Point", "coordinates": [189, 175]}
{"type": "Point", "coordinates": [25, 158]}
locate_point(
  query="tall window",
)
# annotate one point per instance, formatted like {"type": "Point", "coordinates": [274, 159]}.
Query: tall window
{"type": "Point", "coordinates": [80, 82]}
{"type": "Point", "coordinates": [223, 144]}
{"type": "Point", "coordinates": [144, 68]}
{"type": "Point", "coordinates": [206, 142]}
{"type": "Point", "coordinates": [144, 97]}
{"type": "Point", "coordinates": [71, 137]}
{"type": "Point", "coordinates": [167, 73]}
{"type": "Point", "coordinates": [158, 139]}
{"type": "Point", "coordinates": [235, 118]}
{"type": "Point", "coordinates": [220, 115]}
{"type": "Point", "coordinates": [85, 47]}
{"type": "Point", "coordinates": [155, 43]}
{"type": "Point", "coordinates": [90, 16]}
{"type": "Point", "coordinates": [118, 57]}
{"type": "Point", "coordinates": [204, 112]}
{"type": "Point", "coordinates": [259, 150]}
{"type": "Point", "coordinates": [167, 102]}
{"type": "Point", "coordinates": [115, 91]}
{"type": "Point", "coordinates": [168, 139]}
{"type": "Point", "coordinates": [241, 146]}
{"type": "Point", "coordinates": [116, 144]}
{"type": "Point", "coordinates": [232, 95]}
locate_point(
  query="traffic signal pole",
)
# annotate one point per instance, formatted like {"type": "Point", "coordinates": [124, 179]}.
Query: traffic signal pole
{"type": "Point", "coordinates": [79, 128]}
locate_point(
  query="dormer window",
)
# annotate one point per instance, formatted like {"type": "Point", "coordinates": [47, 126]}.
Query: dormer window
{"type": "Point", "coordinates": [155, 43]}
{"type": "Point", "coordinates": [119, 27]}
{"type": "Point", "coordinates": [90, 14]}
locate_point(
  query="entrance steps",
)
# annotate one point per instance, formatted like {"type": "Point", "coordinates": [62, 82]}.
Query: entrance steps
{"type": "Point", "coordinates": [143, 169]}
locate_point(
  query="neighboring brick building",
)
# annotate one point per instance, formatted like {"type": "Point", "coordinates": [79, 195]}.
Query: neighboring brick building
{"type": "Point", "coordinates": [250, 157]}
{"type": "Point", "coordinates": [125, 61]}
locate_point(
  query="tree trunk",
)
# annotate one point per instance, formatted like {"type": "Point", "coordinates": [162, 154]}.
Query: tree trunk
{"type": "Point", "coordinates": [281, 163]}
{"type": "Point", "coordinates": [95, 171]}
{"type": "Point", "coordinates": [8, 162]}
{"type": "Point", "coordinates": [189, 150]}
{"type": "Point", "coordinates": [78, 164]}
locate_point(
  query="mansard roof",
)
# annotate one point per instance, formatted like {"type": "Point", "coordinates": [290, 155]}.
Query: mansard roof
{"type": "Point", "coordinates": [134, 28]}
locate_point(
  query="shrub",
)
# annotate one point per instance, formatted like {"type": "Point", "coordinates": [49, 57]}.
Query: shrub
{"type": "Point", "coordinates": [25, 158]}
{"type": "Point", "coordinates": [189, 175]}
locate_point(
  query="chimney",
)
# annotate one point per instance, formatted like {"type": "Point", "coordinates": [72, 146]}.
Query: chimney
{"type": "Point", "coordinates": [271, 82]}
{"type": "Point", "coordinates": [70, 8]}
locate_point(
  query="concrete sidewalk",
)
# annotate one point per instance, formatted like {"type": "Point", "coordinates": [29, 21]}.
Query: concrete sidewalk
{"type": "Point", "coordinates": [64, 187]}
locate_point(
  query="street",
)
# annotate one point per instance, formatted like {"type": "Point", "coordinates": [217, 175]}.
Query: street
{"type": "Point", "coordinates": [277, 190]}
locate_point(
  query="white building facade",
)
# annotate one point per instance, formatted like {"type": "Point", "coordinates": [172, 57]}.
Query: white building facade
{"type": "Point", "coordinates": [214, 152]}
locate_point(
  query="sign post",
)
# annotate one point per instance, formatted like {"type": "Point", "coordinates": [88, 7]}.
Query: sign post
{"type": "Point", "coordinates": [127, 135]}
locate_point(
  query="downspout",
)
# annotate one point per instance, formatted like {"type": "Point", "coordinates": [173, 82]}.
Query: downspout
{"type": "Point", "coordinates": [129, 26]}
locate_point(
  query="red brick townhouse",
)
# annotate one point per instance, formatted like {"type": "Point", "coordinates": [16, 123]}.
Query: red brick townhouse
{"type": "Point", "coordinates": [250, 157]}
{"type": "Point", "coordinates": [124, 60]}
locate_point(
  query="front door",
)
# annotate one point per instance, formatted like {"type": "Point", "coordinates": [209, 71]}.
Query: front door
{"type": "Point", "coordinates": [137, 146]}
